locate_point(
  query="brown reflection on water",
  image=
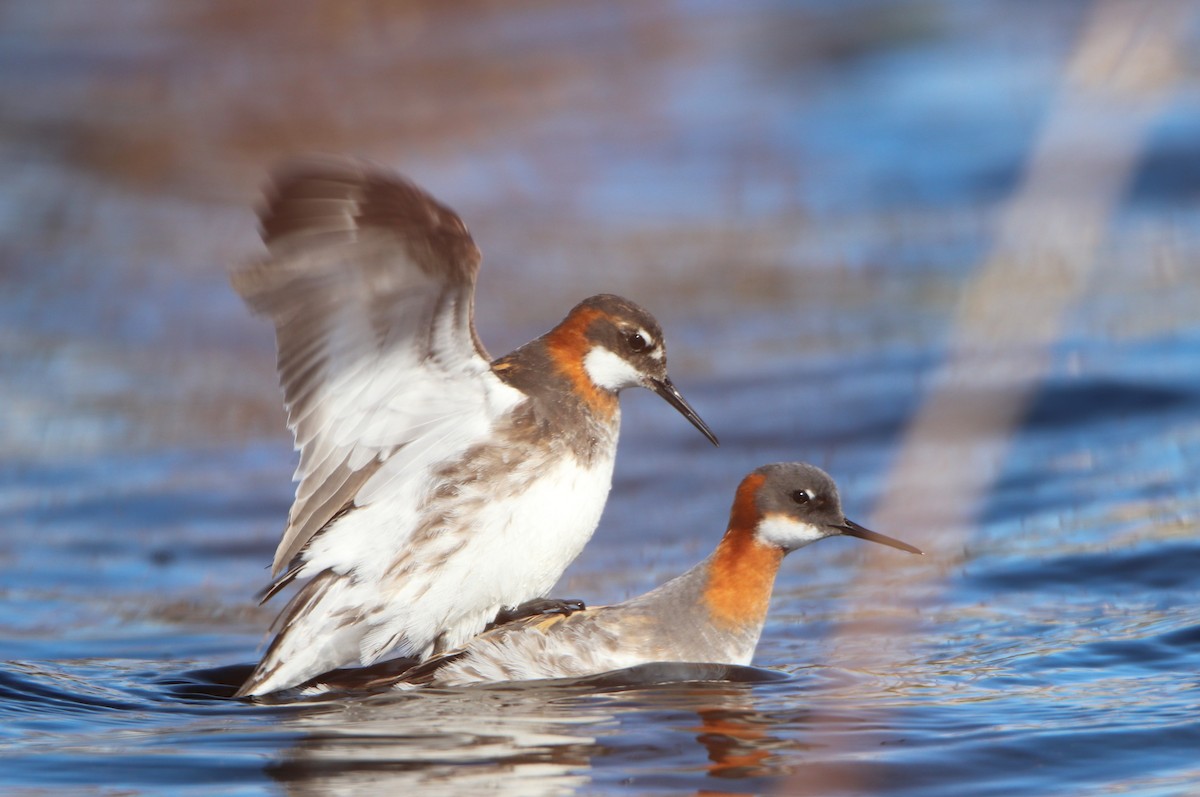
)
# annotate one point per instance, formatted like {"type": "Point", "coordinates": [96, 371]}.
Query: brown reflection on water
{"type": "Point", "coordinates": [181, 97]}
{"type": "Point", "coordinates": [736, 743]}
{"type": "Point", "coordinates": [136, 138]}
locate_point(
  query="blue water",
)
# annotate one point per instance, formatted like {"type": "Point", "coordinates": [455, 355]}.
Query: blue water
{"type": "Point", "coordinates": [802, 193]}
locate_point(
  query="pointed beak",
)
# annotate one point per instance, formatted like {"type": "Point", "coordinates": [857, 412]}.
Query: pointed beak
{"type": "Point", "coordinates": [668, 391]}
{"type": "Point", "coordinates": [852, 529]}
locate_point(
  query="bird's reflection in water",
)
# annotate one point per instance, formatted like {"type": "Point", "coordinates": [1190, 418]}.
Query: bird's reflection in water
{"type": "Point", "coordinates": [531, 739]}
{"type": "Point", "coordinates": [736, 743]}
{"type": "Point", "coordinates": [506, 742]}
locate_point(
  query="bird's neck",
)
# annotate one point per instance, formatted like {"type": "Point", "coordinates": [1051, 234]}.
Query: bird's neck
{"type": "Point", "coordinates": [559, 354]}
{"type": "Point", "coordinates": [555, 409]}
{"type": "Point", "coordinates": [741, 572]}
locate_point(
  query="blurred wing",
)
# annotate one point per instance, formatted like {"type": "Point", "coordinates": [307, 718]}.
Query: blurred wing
{"type": "Point", "coordinates": [370, 284]}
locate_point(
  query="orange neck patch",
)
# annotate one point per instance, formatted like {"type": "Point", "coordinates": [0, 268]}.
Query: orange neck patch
{"type": "Point", "coordinates": [742, 571]}
{"type": "Point", "coordinates": [567, 345]}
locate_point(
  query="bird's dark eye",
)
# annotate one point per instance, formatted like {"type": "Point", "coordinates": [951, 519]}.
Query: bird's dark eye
{"type": "Point", "coordinates": [637, 342]}
{"type": "Point", "coordinates": [801, 497]}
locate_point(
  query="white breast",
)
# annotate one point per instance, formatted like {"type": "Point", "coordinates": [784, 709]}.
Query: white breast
{"type": "Point", "coordinates": [522, 544]}
{"type": "Point", "coordinates": [507, 541]}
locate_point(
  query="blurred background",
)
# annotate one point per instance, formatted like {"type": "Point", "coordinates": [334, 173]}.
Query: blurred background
{"type": "Point", "coordinates": [946, 250]}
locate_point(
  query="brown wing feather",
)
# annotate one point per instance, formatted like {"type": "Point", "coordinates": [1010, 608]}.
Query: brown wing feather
{"type": "Point", "coordinates": [354, 254]}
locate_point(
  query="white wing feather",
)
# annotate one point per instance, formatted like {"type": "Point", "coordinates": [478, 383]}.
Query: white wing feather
{"type": "Point", "coordinates": [370, 284]}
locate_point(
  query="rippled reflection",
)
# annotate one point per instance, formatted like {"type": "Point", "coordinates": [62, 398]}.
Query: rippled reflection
{"type": "Point", "coordinates": [522, 739]}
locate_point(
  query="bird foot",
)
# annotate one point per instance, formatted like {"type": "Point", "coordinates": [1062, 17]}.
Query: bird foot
{"type": "Point", "coordinates": [538, 606]}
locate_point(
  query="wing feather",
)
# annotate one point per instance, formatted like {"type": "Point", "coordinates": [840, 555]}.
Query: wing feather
{"type": "Point", "coordinates": [370, 283]}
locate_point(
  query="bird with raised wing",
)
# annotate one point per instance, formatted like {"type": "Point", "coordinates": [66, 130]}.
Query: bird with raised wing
{"type": "Point", "coordinates": [713, 613]}
{"type": "Point", "coordinates": [436, 487]}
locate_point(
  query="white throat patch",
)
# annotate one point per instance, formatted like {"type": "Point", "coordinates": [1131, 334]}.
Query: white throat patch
{"type": "Point", "coordinates": [608, 371]}
{"type": "Point", "coordinates": [789, 533]}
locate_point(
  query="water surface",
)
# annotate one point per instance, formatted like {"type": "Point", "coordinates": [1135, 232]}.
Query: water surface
{"type": "Point", "coordinates": [802, 193]}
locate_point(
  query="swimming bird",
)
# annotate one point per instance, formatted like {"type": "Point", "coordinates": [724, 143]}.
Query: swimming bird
{"type": "Point", "coordinates": [713, 613]}
{"type": "Point", "coordinates": [436, 486]}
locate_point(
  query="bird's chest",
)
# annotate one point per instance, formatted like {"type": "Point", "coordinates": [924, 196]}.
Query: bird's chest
{"type": "Point", "coordinates": [545, 523]}
{"type": "Point", "coordinates": [562, 426]}
{"type": "Point", "coordinates": [514, 511]}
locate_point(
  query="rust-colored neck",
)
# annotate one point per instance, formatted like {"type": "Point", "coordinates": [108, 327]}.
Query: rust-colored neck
{"type": "Point", "coordinates": [567, 344]}
{"type": "Point", "coordinates": [742, 571]}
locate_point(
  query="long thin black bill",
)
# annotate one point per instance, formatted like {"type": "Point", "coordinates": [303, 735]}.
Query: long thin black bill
{"type": "Point", "coordinates": [668, 391]}
{"type": "Point", "coordinates": [852, 529]}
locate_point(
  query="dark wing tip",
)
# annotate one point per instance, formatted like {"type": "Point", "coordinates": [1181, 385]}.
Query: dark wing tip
{"type": "Point", "coordinates": [317, 198]}
{"type": "Point", "coordinates": [304, 193]}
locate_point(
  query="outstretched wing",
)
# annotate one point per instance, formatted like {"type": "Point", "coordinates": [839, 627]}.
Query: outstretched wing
{"type": "Point", "coordinates": [370, 284]}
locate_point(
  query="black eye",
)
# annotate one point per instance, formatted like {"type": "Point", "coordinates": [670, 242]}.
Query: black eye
{"type": "Point", "coordinates": [637, 342]}
{"type": "Point", "coordinates": [801, 497]}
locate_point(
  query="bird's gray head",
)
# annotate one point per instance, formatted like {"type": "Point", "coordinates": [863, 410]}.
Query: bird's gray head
{"type": "Point", "coordinates": [797, 504]}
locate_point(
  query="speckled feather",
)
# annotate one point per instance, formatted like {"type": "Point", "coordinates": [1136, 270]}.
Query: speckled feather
{"type": "Point", "coordinates": [435, 488]}
{"type": "Point", "coordinates": [714, 612]}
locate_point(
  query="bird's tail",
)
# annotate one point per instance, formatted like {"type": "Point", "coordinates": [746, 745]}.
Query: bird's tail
{"type": "Point", "coordinates": [317, 631]}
